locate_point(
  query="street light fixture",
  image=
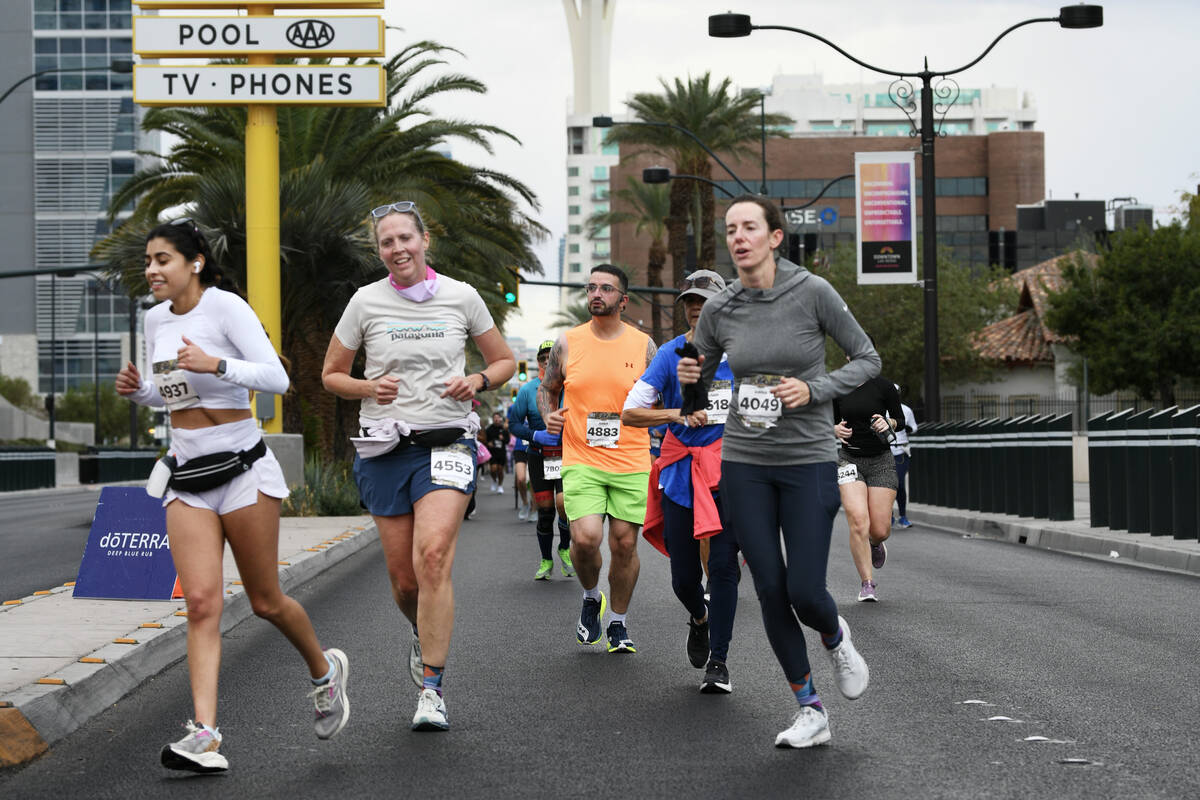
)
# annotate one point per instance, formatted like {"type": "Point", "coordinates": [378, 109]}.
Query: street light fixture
{"type": "Point", "coordinates": [123, 66]}
{"type": "Point", "coordinates": [664, 175]}
{"type": "Point", "coordinates": [725, 26]}
{"type": "Point", "coordinates": [608, 122]}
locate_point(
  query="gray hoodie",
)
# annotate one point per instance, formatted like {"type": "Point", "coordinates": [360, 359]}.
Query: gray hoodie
{"type": "Point", "coordinates": [781, 332]}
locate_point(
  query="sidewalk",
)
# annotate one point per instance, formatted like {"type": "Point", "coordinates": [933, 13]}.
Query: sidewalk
{"type": "Point", "coordinates": [1075, 536]}
{"type": "Point", "coordinates": [63, 660]}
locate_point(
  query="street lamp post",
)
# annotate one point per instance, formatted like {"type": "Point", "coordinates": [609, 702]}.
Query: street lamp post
{"type": "Point", "coordinates": [121, 65]}
{"type": "Point", "coordinates": [608, 122]}
{"type": "Point", "coordinates": [732, 25]}
{"type": "Point", "coordinates": [664, 175]}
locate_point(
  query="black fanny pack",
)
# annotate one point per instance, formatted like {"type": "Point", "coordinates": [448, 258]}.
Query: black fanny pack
{"type": "Point", "coordinates": [434, 437]}
{"type": "Point", "coordinates": [216, 469]}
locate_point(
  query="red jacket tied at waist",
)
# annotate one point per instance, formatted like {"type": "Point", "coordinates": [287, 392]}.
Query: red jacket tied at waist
{"type": "Point", "coordinates": [706, 475]}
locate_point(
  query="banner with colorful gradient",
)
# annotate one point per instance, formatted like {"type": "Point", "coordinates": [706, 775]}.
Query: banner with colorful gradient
{"type": "Point", "coordinates": [885, 194]}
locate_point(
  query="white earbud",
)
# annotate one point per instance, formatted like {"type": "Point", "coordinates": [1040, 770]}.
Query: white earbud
{"type": "Point", "coordinates": [196, 267]}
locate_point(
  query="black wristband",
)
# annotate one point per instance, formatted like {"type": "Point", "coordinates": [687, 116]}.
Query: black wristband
{"type": "Point", "coordinates": [486, 383]}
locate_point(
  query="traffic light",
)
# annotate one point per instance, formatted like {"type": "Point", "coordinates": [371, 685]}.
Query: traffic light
{"type": "Point", "coordinates": [522, 370]}
{"type": "Point", "coordinates": [513, 296]}
{"type": "Point", "coordinates": [514, 395]}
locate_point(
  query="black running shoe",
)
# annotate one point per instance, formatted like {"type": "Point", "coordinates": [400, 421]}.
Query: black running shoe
{"type": "Point", "coordinates": [716, 679]}
{"type": "Point", "coordinates": [697, 643]}
{"type": "Point", "coordinates": [587, 631]}
{"type": "Point", "coordinates": [618, 639]}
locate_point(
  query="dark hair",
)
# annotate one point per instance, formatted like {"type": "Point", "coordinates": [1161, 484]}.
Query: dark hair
{"type": "Point", "coordinates": [770, 211]}
{"type": "Point", "coordinates": [185, 236]}
{"type": "Point", "coordinates": [617, 272]}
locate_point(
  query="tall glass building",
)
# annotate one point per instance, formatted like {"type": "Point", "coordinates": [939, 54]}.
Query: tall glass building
{"type": "Point", "coordinates": [74, 137]}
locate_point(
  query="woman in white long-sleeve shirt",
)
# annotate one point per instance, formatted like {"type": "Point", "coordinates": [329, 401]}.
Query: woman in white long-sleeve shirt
{"type": "Point", "coordinates": [208, 350]}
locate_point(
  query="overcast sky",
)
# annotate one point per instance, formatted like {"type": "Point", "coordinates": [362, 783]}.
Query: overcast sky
{"type": "Point", "coordinates": [1118, 104]}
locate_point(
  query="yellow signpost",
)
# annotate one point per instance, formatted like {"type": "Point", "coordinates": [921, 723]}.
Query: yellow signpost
{"type": "Point", "coordinates": [261, 85]}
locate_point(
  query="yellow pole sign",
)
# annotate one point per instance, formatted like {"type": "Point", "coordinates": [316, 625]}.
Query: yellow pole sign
{"type": "Point", "coordinates": [261, 85]}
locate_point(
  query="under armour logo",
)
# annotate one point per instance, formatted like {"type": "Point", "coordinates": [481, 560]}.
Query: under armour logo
{"type": "Point", "coordinates": [629, 365]}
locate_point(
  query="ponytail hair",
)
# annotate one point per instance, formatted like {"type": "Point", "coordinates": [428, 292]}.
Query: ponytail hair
{"type": "Point", "coordinates": [186, 237]}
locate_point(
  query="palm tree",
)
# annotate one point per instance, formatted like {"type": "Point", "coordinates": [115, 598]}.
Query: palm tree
{"type": "Point", "coordinates": [335, 164]}
{"type": "Point", "coordinates": [571, 315]}
{"type": "Point", "coordinates": [724, 120]}
{"type": "Point", "coordinates": [650, 204]}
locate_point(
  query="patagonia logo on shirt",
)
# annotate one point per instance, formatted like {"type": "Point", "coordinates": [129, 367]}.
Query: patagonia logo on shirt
{"type": "Point", "coordinates": [417, 330]}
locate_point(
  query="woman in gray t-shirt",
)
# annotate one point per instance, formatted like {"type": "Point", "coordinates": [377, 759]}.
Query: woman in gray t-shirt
{"type": "Point", "coordinates": [415, 466]}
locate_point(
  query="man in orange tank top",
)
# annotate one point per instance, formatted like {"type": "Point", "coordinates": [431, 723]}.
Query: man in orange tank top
{"type": "Point", "coordinates": [606, 466]}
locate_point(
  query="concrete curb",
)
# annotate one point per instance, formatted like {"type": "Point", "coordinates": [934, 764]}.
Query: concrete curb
{"type": "Point", "coordinates": [56, 709]}
{"type": "Point", "coordinates": [1139, 549]}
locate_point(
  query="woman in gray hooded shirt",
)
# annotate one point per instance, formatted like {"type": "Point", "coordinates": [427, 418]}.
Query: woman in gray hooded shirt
{"type": "Point", "coordinates": [778, 464]}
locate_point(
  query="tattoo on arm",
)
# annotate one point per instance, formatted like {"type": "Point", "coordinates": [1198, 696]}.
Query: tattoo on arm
{"type": "Point", "coordinates": [552, 382]}
{"type": "Point", "coordinates": [651, 350]}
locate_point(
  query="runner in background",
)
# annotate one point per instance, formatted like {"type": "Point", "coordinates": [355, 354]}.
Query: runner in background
{"type": "Point", "coordinates": [683, 510]}
{"type": "Point", "coordinates": [497, 437]}
{"type": "Point", "coordinates": [545, 472]}
{"type": "Point", "coordinates": [520, 459]}
{"type": "Point", "coordinates": [902, 452]}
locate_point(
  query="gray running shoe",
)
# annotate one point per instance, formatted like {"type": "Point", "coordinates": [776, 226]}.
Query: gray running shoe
{"type": "Point", "coordinates": [330, 699]}
{"type": "Point", "coordinates": [431, 712]}
{"type": "Point", "coordinates": [196, 752]}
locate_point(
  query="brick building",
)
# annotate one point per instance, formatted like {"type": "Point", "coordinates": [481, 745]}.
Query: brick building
{"type": "Point", "coordinates": [980, 182]}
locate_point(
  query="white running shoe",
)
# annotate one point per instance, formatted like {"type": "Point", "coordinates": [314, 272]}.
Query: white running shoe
{"type": "Point", "coordinates": [849, 669]}
{"type": "Point", "coordinates": [522, 513]}
{"type": "Point", "coordinates": [809, 728]}
{"type": "Point", "coordinates": [196, 752]}
{"type": "Point", "coordinates": [331, 701]}
{"type": "Point", "coordinates": [431, 712]}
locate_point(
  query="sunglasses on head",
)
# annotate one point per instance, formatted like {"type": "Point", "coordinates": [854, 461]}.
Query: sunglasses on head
{"type": "Point", "coordinates": [403, 207]}
{"type": "Point", "coordinates": [191, 225]}
{"type": "Point", "coordinates": [702, 282]}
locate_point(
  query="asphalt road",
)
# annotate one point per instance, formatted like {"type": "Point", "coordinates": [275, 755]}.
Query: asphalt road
{"type": "Point", "coordinates": [42, 537]}
{"type": "Point", "coordinates": [976, 647]}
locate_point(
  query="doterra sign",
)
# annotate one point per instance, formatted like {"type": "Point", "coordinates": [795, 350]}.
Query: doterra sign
{"type": "Point", "coordinates": [238, 84]}
{"type": "Point", "coordinates": [166, 37]}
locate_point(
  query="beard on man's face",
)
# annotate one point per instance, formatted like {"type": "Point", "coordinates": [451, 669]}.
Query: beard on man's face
{"type": "Point", "coordinates": [599, 308]}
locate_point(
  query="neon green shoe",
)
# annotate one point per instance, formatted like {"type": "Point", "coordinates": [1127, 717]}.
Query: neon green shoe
{"type": "Point", "coordinates": [568, 569]}
{"type": "Point", "coordinates": [544, 570]}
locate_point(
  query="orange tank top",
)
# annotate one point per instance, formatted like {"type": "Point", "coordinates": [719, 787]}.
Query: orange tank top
{"type": "Point", "coordinates": [599, 375]}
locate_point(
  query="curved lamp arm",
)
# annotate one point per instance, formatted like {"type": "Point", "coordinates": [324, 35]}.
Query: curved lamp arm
{"type": "Point", "coordinates": [608, 122]}
{"type": "Point", "coordinates": [820, 194]}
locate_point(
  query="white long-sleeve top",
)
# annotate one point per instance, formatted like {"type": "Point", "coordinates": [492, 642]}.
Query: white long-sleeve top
{"type": "Point", "coordinates": [222, 325]}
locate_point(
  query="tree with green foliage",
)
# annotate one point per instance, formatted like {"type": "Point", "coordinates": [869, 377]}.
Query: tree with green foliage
{"type": "Point", "coordinates": [893, 314]}
{"type": "Point", "coordinates": [78, 404]}
{"type": "Point", "coordinates": [1136, 315]}
{"type": "Point", "coordinates": [727, 122]}
{"type": "Point", "coordinates": [649, 207]}
{"type": "Point", "coordinates": [571, 315]}
{"type": "Point", "coordinates": [18, 392]}
{"type": "Point", "coordinates": [336, 163]}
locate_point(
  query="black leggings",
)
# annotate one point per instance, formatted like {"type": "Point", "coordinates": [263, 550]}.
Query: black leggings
{"type": "Point", "coordinates": [687, 574]}
{"type": "Point", "coordinates": [902, 462]}
{"type": "Point", "coordinates": [802, 499]}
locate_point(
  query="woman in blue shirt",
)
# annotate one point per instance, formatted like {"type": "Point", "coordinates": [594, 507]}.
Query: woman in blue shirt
{"type": "Point", "coordinates": [684, 483]}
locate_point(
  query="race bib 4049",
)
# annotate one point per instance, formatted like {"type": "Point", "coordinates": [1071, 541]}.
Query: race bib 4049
{"type": "Point", "coordinates": [452, 466]}
{"type": "Point", "coordinates": [603, 429]}
{"type": "Point", "coordinates": [756, 405]}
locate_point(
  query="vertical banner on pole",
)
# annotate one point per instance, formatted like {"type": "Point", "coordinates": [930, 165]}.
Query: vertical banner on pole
{"type": "Point", "coordinates": [885, 193]}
